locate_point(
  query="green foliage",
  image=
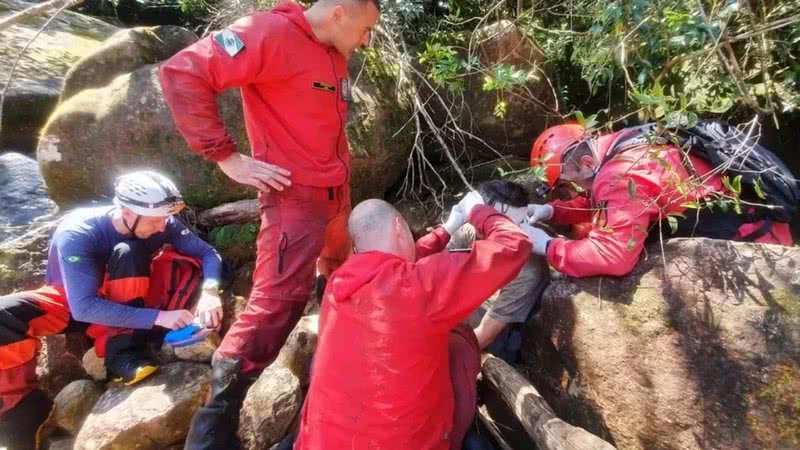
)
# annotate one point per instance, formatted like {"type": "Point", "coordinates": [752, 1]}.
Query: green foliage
{"type": "Point", "coordinates": [662, 51]}
{"type": "Point", "coordinates": [445, 66]}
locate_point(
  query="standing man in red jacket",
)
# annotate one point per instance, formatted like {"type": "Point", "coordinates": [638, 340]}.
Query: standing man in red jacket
{"type": "Point", "coordinates": [382, 371]}
{"type": "Point", "coordinates": [624, 196]}
{"type": "Point", "coordinates": [291, 68]}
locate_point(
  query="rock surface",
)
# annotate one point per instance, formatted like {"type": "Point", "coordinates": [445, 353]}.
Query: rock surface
{"type": "Point", "coordinates": [152, 414]}
{"type": "Point", "coordinates": [269, 408]}
{"type": "Point", "coordinates": [201, 351]}
{"type": "Point", "coordinates": [74, 403]}
{"type": "Point", "coordinates": [124, 52]}
{"type": "Point", "coordinates": [40, 72]}
{"type": "Point", "coordinates": [704, 353]}
{"type": "Point", "coordinates": [23, 260]}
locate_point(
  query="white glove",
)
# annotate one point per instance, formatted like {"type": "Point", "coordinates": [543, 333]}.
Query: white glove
{"type": "Point", "coordinates": [469, 201]}
{"type": "Point", "coordinates": [539, 213]}
{"type": "Point", "coordinates": [455, 220]}
{"type": "Point", "coordinates": [538, 237]}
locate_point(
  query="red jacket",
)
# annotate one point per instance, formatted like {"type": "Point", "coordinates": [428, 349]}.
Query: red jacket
{"type": "Point", "coordinates": [381, 376]}
{"type": "Point", "coordinates": [294, 90]}
{"type": "Point", "coordinates": [619, 229]}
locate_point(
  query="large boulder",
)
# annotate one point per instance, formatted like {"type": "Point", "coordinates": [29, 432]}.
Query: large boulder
{"type": "Point", "coordinates": [57, 366]}
{"type": "Point", "coordinates": [269, 408]}
{"type": "Point", "coordinates": [152, 414]}
{"type": "Point", "coordinates": [23, 260]}
{"type": "Point", "coordinates": [124, 52]}
{"type": "Point", "coordinates": [300, 346]}
{"type": "Point", "coordinates": [698, 348]}
{"type": "Point", "coordinates": [23, 197]}
{"type": "Point", "coordinates": [40, 73]}
{"type": "Point", "coordinates": [97, 134]}
{"type": "Point", "coordinates": [74, 403]}
{"type": "Point", "coordinates": [529, 107]}
{"type": "Point", "coordinates": [378, 131]}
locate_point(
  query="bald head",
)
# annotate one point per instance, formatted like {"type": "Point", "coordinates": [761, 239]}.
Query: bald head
{"type": "Point", "coordinates": [375, 225]}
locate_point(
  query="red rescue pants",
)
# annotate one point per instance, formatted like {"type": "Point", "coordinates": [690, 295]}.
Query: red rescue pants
{"type": "Point", "coordinates": [299, 226]}
{"type": "Point", "coordinates": [465, 365]}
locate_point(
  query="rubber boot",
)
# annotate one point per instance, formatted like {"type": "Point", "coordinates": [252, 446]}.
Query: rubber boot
{"type": "Point", "coordinates": [214, 425]}
{"type": "Point", "coordinates": [126, 362]}
{"type": "Point", "coordinates": [19, 426]}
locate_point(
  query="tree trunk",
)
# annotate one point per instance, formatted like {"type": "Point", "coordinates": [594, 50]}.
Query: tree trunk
{"type": "Point", "coordinates": [545, 428]}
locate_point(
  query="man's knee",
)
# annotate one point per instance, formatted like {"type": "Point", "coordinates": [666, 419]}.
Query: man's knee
{"type": "Point", "coordinates": [16, 312]}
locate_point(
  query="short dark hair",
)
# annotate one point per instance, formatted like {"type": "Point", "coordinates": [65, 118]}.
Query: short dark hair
{"type": "Point", "coordinates": [503, 191]}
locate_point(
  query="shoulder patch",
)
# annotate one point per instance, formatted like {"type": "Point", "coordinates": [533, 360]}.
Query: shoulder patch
{"type": "Point", "coordinates": [229, 42]}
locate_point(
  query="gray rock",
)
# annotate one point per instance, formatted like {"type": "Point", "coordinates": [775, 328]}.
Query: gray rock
{"type": "Point", "coordinates": [23, 260]}
{"type": "Point", "coordinates": [94, 365]}
{"type": "Point", "coordinates": [40, 73]}
{"type": "Point", "coordinates": [201, 351]}
{"type": "Point", "coordinates": [73, 404]}
{"type": "Point", "coordinates": [152, 414]}
{"type": "Point", "coordinates": [124, 52]}
{"type": "Point", "coordinates": [269, 408]}
{"type": "Point", "coordinates": [697, 348]}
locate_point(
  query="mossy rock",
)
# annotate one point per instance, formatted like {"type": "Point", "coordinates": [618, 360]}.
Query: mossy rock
{"type": "Point", "coordinates": [98, 134]}
{"type": "Point", "coordinates": [40, 72]}
{"type": "Point", "coordinates": [235, 242]}
{"type": "Point", "coordinates": [698, 347]}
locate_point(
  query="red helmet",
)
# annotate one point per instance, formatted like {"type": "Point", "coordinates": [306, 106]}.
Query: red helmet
{"type": "Point", "coordinates": [550, 146]}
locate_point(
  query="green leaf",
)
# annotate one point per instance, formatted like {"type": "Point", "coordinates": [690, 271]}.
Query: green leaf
{"type": "Point", "coordinates": [631, 189]}
{"type": "Point", "coordinates": [726, 181]}
{"type": "Point", "coordinates": [673, 224]}
{"type": "Point", "coordinates": [690, 205]}
{"type": "Point", "coordinates": [759, 190]}
{"type": "Point", "coordinates": [737, 184]}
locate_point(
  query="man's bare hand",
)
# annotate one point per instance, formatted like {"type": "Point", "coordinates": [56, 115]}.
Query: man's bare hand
{"type": "Point", "coordinates": [174, 320]}
{"type": "Point", "coordinates": [263, 176]}
{"type": "Point", "coordinates": [209, 310]}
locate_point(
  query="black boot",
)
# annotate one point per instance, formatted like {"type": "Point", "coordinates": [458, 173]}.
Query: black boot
{"type": "Point", "coordinates": [127, 360]}
{"type": "Point", "coordinates": [20, 425]}
{"type": "Point", "coordinates": [214, 425]}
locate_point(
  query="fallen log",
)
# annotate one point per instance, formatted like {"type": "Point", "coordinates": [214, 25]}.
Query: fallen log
{"type": "Point", "coordinates": [243, 211]}
{"type": "Point", "coordinates": [540, 422]}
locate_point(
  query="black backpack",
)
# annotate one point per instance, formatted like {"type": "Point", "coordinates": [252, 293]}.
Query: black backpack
{"type": "Point", "coordinates": [765, 179]}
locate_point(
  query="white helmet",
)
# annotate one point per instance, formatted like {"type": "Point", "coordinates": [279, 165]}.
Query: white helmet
{"type": "Point", "coordinates": [148, 193]}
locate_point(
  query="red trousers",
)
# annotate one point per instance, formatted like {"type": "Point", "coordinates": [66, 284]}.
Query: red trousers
{"type": "Point", "coordinates": [299, 226]}
{"type": "Point", "coordinates": [465, 365]}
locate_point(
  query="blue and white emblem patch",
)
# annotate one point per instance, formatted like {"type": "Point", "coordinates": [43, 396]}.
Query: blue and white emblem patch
{"type": "Point", "coordinates": [230, 42]}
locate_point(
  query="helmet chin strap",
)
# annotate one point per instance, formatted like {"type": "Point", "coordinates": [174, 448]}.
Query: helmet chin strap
{"type": "Point", "coordinates": [132, 229]}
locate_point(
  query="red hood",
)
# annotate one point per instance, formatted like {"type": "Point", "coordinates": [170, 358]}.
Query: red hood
{"type": "Point", "coordinates": [294, 13]}
{"type": "Point", "coordinates": [359, 270]}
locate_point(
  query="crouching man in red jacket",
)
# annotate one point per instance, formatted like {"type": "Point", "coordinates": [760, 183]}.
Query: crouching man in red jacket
{"type": "Point", "coordinates": [382, 375]}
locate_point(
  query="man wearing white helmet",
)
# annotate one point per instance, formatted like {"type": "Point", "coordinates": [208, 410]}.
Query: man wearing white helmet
{"type": "Point", "coordinates": [123, 269]}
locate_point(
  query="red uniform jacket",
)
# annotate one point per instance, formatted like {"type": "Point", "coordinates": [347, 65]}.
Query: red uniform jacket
{"type": "Point", "coordinates": [381, 375]}
{"type": "Point", "coordinates": [619, 221]}
{"type": "Point", "coordinates": [294, 91]}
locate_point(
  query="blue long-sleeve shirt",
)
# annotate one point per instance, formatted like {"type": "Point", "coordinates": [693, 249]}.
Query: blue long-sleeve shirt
{"type": "Point", "coordinates": [79, 252]}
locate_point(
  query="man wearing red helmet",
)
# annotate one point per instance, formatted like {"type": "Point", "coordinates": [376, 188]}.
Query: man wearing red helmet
{"type": "Point", "coordinates": [623, 195]}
